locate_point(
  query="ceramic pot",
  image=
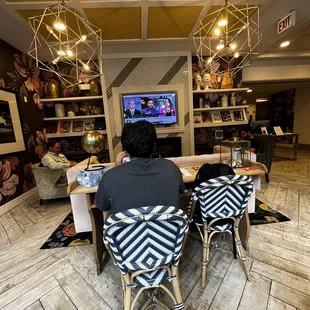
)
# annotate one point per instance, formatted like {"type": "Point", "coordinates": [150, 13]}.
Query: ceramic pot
{"type": "Point", "coordinates": [53, 90]}
{"type": "Point", "coordinates": [224, 101]}
{"type": "Point", "coordinates": [227, 81]}
{"type": "Point", "coordinates": [71, 114]}
{"type": "Point", "coordinates": [60, 110]}
{"type": "Point", "coordinates": [95, 88]}
{"type": "Point", "coordinates": [233, 99]}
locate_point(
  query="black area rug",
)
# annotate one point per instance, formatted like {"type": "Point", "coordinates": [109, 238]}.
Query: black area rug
{"type": "Point", "coordinates": [65, 234]}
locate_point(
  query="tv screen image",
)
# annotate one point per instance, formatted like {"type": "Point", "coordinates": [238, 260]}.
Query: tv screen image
{"type": "Point", "coordinates": [157, 108]}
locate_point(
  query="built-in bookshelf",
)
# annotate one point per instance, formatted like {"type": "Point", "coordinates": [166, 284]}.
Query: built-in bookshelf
{"type": "Point", "coordinates": [78, 115]}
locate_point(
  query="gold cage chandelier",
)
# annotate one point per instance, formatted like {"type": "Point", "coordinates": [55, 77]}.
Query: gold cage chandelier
{"type": "Point", "coordinates": [231, 35]}
{"type": "Point", "coordinates": [66, 44]}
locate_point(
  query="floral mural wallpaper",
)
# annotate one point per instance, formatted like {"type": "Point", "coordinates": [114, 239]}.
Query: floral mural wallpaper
{"type": "Point", "coordinates": [19, 73]}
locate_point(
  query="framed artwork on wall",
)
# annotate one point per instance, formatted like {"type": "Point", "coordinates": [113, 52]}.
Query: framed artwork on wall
{"type": "Point", "coordinates": [11, 134]}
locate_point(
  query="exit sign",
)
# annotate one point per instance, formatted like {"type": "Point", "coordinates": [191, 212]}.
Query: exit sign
{"type": "Point", "coordinates": [287, 22]}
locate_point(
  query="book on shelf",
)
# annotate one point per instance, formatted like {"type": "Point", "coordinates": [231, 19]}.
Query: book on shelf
{"type": "Point", "coordinates": [238, 115]}
{"type": "Point", "coordinates": [226, 116]}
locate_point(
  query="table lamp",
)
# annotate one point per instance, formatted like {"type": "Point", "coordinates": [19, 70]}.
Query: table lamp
{"type": "Point", "coordinates": [93, 143]}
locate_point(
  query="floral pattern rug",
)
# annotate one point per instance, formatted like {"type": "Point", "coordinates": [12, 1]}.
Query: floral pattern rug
{"type": "Point", "coordinates": [65, 234]}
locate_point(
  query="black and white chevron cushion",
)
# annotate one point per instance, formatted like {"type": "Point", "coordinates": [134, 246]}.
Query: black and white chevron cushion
{"type": "Point", "coordinates": [223, 197]}
{"type": "Point", "coordinates": [145, 239]}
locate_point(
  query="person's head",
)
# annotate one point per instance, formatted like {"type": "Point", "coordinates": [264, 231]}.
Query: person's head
{"type": "Point", "coordinates": [150, 103]}
{"type": "Point", "coordinates": [168, 103]}
{"type": "Point", "coordinates": [138, 139]}
{"type": "Point", "coordinates": [53, 146]}
{"type": "Point", "coordinates": [246, 133]}
{"type": "Point", "coordinates": [132, 105]}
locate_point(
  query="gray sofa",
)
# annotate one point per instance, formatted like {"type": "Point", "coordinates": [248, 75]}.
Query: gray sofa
{"type": "Point", "coordinates": [46, 180]}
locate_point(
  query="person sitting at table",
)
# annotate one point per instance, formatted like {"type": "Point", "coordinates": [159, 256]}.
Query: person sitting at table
{"type": "Point", "coordinates": [142, 181]}
{"type": "Point", "coordinates": [246, 134]}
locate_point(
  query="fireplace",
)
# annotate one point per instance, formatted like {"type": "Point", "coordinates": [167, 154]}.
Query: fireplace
{"type": "Point", "coordinates": [168, 147]}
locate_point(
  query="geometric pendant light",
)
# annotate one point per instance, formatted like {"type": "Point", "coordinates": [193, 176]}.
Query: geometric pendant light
{"type": "Point", "coordinates": [66, 44]}
{"type": "Point", "coordinates": [230, 34]}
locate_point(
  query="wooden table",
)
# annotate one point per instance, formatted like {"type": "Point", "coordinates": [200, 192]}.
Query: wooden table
{"type": "Point", "coordinates": [96, 215]}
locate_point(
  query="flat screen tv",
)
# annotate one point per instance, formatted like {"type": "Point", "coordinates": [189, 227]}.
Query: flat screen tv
{"type": "Point", "coordinates": [157, 108]}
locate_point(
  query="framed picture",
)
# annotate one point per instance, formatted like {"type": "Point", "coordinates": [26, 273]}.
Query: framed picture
{"type": "Point", "coordinates": [216, 116]}
{"type": "Point", "coordinates": [77, 126]}
{"type": "Point", "coordinates": [278, 130]}
{"type": "Point", "coordinates": [11, 134]}
{"type": "Point", "coordinates": [197, 117]}
{"type": "Point", "coordinates": [89, 125]}
{"type": "Point", "coordinates": [206, 117]}
{"type": "Point", "coordinates": [264, 130]}
{"type": "Point", "coordinates": [226, 116]}
{"type": "Point", "coordinates": [219, 134]}
{"type": "Point", "coordinates": [238, 116]}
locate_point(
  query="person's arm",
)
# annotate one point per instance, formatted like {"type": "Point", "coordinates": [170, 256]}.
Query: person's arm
{"type": "Point", "coordinates": [102, 201]}
{"type": "Point", "coordinates": [51, 163]}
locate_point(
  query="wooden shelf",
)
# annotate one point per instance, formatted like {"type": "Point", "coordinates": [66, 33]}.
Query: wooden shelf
{"type": "Point", "coordinates": [69, 99]}
{"type": "Point", "coordinates": [237, 107]}
{"type": "Point", "coordinates": [220, 124]}
{"type": "Point", "coordinates": [228, 90]}
{"type": "Point", "coordinates": [70, 134]}
{"type": "Point", "coordinates": [73, 117]}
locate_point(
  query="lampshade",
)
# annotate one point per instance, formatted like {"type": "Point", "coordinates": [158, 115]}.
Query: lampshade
{"type": "Point", "coordinates": [92, 142]}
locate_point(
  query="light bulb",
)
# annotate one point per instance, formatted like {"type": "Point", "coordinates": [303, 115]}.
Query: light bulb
{"type": "Point", "coordinates": [61, 53]}
{"type": "Point", "coordinates": [83, 37]}
{"type": "Point", "coordinates": [210, 60]}
{"type": "Point", "coordinates": [86, 67]}
{"type": "Point", "coordinates": [222, 23]}
{"type": "Point", "coordinates": [236, 54]}
{"type": "Point", "coordinates": [233, 46]}
{"type": "Point", "coordinates": [59, 25]}
{"type": "Point", "coordinates": [285, 44]}
{"type": "Point", "coordinates": [217, 32]}
{"type": "Point", "coordinates": [220, 46]}
{"type": "Point", "coordinates": [249, 90]}
{"type": "Point", "coordinates": [69, 53]}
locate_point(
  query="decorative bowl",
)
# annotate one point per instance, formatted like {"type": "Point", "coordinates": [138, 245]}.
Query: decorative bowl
{"type": "Point", "coordinates": [90, 177]}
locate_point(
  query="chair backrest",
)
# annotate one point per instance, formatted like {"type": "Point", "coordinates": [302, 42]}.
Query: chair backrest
{"type": "Point", "coordinates": [267, 149]}
{"type": "Point", "coordinates": [223, 197]}
{"type": "Point", "coordinates": [146, 238]}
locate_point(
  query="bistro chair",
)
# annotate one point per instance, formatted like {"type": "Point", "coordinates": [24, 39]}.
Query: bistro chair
{"type": "Point", "coordinates": [146, 244]}
{"type": "Point", "coordinates": [223, 201]}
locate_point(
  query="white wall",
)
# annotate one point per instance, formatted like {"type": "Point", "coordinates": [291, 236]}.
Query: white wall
{"type": "Point", "coordinates": [277, 70]}
{"type": "Point", "coordinates": [302, 114]}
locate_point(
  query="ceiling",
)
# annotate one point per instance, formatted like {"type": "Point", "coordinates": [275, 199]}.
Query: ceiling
{"type": "Point", "coordinates": [264, 90]}
{"type": "Point", "coordinates": [152, 25]}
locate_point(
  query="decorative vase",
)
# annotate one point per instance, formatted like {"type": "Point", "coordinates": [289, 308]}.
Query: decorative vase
{"type": "Point", "coordinates": [233, 99]}
{"type": "Point", "coordinates": [53, 90]}
{"type": "Point", "coordinates": [71, 114]}
{"type": "Point", "coordinates": [197, 81]}
{"type": "Point", "coordinates": [227, 81]}
{"type": "Point", "coordinates": [60, 110]}
{"type": "Point", "coordinates": [218, 103]}
{"type": "Point", "coordinates": [206, 80]}
{"type": "Point", "coordinates": [95, 88]}
{"type": "Point", "coordinates": [224, 101]}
